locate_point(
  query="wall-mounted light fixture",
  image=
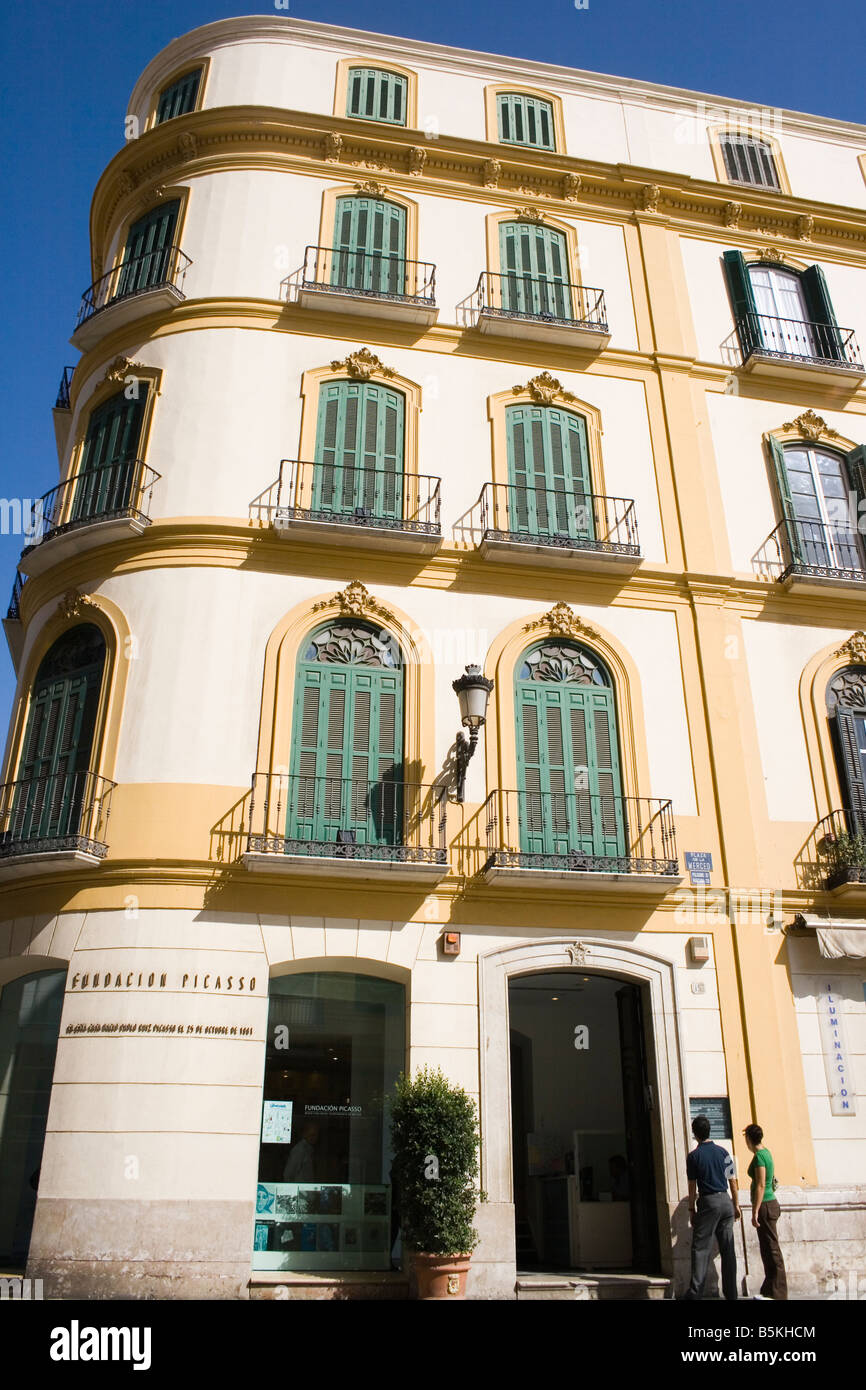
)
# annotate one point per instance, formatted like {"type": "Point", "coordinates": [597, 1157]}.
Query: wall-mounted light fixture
{"type": "Point", "coordinates": [473, 692]}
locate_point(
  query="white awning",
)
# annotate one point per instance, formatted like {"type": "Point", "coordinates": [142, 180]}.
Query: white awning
{"type": "Point", "coordinates": [837, 936]}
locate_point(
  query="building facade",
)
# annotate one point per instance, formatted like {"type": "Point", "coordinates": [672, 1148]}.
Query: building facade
{"type": "Point", "coordinates": [399, 360]}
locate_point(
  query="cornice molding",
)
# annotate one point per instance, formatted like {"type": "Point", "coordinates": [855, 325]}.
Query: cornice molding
{"type": "Point", "coordinates": [246, 136]}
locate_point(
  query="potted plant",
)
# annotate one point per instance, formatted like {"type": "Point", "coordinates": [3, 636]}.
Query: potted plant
{"type": "Point", "coordinates": [846, 859]}
{"type": "Point", "coordinates": [434, 1134]}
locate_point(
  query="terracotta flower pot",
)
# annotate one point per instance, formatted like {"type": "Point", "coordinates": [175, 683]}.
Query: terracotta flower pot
{"type": "Point", "coordinates": [441, 1276]}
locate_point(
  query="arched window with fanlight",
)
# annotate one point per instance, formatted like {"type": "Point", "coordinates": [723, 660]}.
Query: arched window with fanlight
{"type": "Point", "coordinates": [346, 780]}
{"type": "Point", "coordinates": [782, 312]}
{"type": "Point", "coordinates": [56, 796]}
{"type": "Point", "coordinates": [846, 710]}
{"type": "Point", "coordinates": [820, 491]}
{"type": "Point", "coordinates": [569, 782]}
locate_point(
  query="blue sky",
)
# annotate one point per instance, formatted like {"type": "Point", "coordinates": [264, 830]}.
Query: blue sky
{"type": "Point", "coordinates": [69, 69]}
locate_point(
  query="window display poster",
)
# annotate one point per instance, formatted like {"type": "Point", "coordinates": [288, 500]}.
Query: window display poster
{"type": "Point", "coordinates": [277, 1122]}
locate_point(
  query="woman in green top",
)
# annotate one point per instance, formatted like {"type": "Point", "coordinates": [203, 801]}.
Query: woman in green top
{"type": "Point", "coordinates": [765, 1214]}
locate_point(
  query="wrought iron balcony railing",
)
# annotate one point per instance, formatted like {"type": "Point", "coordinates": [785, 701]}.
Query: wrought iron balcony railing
{"type": "Point", "coordinates": [118, 490]}
{"type": "Point", "coordinates": [580, 832]}
{"type": "Point", "coordinates": [340, 818]}
{"type": "Point", "coordinates": [840, 842]}
{"type": "Point", "coordinates": [369, 274]}
{"type": "Point", "coordinates": [13, 614]}
{"type": "Point", "coordinates": [816, 550]}
{"type": "Point", "coordinates": [63, 402]}
{"type": "Point", "coordinates": [567, 518]}
{"type": "Point", "coordinates": [332, 492]}
{"type": "Point", "coordinates": [537, 297]}
{"type": "Point", "coordinates": [795, 340]}
{"type": "Point", "coordinates": [154, 270]}
{"type": "Point", "coordinates": [63, 811]}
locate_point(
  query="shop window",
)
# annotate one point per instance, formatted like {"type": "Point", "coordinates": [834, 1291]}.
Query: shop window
{"type": "Point", "coordinates": [336, 1047]}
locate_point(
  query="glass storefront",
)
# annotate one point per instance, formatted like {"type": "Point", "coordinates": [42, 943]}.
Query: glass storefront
{"type": "Point", "coordinates": [336, 1045]}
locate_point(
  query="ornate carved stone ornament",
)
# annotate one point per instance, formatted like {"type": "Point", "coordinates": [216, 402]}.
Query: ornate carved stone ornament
{"type": "Point", "coordinates": [361, 365]}
{"type": "Point", "coordinates": [805, 226]}
{"type": "Point", "coordinates": [332, 144]}
{"type": "Point", "coordinates": [648, 198]}
{"type": "Point", "coordinates": [571, 186]}
{"type": "Point", "coordinates": [491, 171]}
{"type": "Point", "coordinates": [73, 604]}
{"type": "Point", "coordinates": [127, 182]}
{"type": "Point", "coordinates": [544, 389]}
{"type": "Point", "coordinates": [578, 952]}
{"type": "Point", "coordinates": [562, 620]}
{"type": "Point", "coordinates": [854, 648]}
{"type": "Point", "coordinates": [120, 369]}
{"type": "Point", "coordinates": [773, 253]}
{"type": "Point", "coordinates": [811, 426]}
{"type": "Point", "coordinates": [733, 213]}
{"type": "Point", "coordinates": [357, 602]}
{"type": "Point", "coordinates": [187, 144]}
{"type": "Point", "coordinates": [372, 188]}
{"type": "Point", "coordinates": [417, 160]}
{"type": "Point", "coordinates": [530, 214]}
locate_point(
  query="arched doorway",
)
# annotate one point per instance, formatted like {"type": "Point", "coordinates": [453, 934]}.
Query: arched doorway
{"type": "Point", "coordinates": [582, 1149]}
{"type": "Point", "coordinates": [30, 1009]}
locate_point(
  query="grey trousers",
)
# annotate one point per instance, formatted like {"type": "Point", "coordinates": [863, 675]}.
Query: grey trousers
{"type": "Point", "coordinates": [715, 1218]}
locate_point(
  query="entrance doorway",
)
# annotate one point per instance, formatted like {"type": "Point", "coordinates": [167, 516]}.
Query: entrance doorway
{"type": "Point", "coordinates": [582, 1144]}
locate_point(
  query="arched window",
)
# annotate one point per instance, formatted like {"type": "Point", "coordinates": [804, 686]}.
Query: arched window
{"type": "Point", "coordinates": [569, 782]}
{"type": "Point", "coordinates": [748, 160]}
{"type": "Point", "coordinates": [147, 260]}
{"type": "Point", "coordinates": [179, 97]}
{"type": "Point", "coordinates": [534, 267]}
{"type": "Point", "coordinates": [30, 1009]}
{"type": "Point", "coordinates": [359, 450]}
{"type": "Point", "coordinates": [782, 312]}
{"type": "Point", "coordinates": [550, 491]}
{"type": "Point", "coordinates": [377, 95]}
{"type": "Point", "coordinates": [846, 710]}
{"type": "Point", "coordinates": [820, 491]}
{"type": "Point", "coordinates": [369, 253]}
{"type": "Point", "coordinates": [346, 782]}
{"type": "Point", "coordinates": [108, 479]}
{"type": "Point", "coordinates": [54, 788]}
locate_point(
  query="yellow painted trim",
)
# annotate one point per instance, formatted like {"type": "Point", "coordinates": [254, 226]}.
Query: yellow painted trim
{"type": "Point", "coordinates": [176, 75]}
{"type": "Point", "coordinates": [497, 405]}
{"type": "Point", "coordinates": [830, 791]}
{"type": "Point", "coordinates": [120, 648]}
{"type": "Point", "coordinates": [491, 116]}
{"type": "Point", "coordinates": [328, 217]}
{"type": "Point", "coordinates": [788, 261]}
{"type": "Point", "coordinates": [341, 91]}
{"type": "Point", "coordinates": [278, 686]}
{"type": "Point", "coordinates": [500, 665]}
{"type": "Point", "coordinates": [732, 128]}
{"type": "Point", "coordinates": [104, 391]}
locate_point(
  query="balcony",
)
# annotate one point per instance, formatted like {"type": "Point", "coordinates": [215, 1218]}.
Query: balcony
{"type": "Point", "coordinates": [147, 284]}
{"type": "Point", "coordinates": [88, 510]}
{"type": "Point", "coordinates": [840, 845]}
{"type": "Point", "coordinates": [53, 823]}
{"type": "Point", "coordinates": [527, 306]}
{"type": "Point", "coordinates": [580, 840]}
{"type": "Point", "coordinates": [62, 412]}
{"type": "Point", "coordinates": [550, 526]}
{"type": "Point", "coordinates": [328, 826]}
{"type": "Point", "coordinates": [816, 352]}
{"type": "Point", "coordinates": [12, 621]}
{"type": "Point", "coordinates": [360, 506]}
{"type": "Point", "coordinates": [361, 282]}
{"type": "Point", "coordinates": [813, 556]}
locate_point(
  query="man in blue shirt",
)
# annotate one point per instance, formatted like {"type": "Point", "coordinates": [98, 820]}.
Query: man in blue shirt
{"type": "Point", "coordinates": [710, 1171]}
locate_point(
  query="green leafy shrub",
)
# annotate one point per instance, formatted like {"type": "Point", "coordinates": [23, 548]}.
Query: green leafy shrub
{"type": "Point", "coordinates": [434, 1133]}
{"type": "Point", "coordinates": [845, 852]}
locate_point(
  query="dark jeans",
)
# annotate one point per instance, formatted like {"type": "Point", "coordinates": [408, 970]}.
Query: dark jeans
{"type": "Point", "coordinates": [775, 1283]}
{"type": "Point", "coordinates": [715, 1218]}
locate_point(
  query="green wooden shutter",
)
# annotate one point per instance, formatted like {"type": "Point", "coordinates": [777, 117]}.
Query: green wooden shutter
{"type": "Point", "coordinates": [369, 246]}
{"type": "Point", "coordinates": [742, 301]}
{"type": "Point", "coordinates": [525, 120]}
{"type": "Point", "coordinates": [548, 473]}
{"type": "Point", "coordinates": [534, 268]}
{"type": "Point", "coordinates": [819, 307]}
{"type": "Point", "coordinates": [147, 255]}
{"type": "Point", "coordinates": [377, 95]}
{"type": "Point", "coordinates": [179, 98]}
{"type": "Point", "coordinates": [791, 532]}
{"type": "Point", "coordinates": [854, 777]}
{"type": "Point", "coordinates": [107, 473]}
{"type": "Point", "coordinates": [359, 451]}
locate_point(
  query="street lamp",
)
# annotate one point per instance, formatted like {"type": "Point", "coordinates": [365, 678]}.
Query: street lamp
{"type": "Point", "coordinates": [473, 692]}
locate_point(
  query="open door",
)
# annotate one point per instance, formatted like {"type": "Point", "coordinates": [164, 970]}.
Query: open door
{"type": "Point", "coordinates": [638, 1101]}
